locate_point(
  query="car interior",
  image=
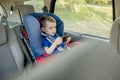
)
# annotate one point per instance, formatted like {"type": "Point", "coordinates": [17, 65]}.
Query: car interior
{"type": "Point", "coordinates": [101, 63]}
{"type": "Point", "coordinates": [35, 34]}
{"type": "Point", "coordinates": [94, 58]}
{"type": "Point", "coordinates": [13, 47]}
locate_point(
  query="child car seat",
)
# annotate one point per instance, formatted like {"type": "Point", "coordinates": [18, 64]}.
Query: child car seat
{"type": "Point", "coordinates": [32, 27]}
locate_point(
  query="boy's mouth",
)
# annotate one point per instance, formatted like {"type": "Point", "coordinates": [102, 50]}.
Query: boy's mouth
{"type": "Point", "coordinates": [53, 32]}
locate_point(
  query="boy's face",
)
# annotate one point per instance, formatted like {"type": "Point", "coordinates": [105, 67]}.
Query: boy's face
{"type": "Point", "coordinates": [50, 28]}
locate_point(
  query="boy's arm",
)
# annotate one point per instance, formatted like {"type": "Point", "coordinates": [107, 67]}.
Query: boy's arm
{"type": "Point", "coordinates": [51, 49]}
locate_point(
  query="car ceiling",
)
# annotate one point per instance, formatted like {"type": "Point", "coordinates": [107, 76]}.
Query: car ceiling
{"type": "Point", "coordinates": [15, 1]}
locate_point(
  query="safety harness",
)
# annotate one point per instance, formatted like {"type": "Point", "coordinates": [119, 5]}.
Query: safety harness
{"type": "Point", "coordinates": [51, 40]}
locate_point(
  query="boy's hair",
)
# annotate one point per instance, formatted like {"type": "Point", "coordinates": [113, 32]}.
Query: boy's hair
{"type": "Point", "coordinates": [46, 18]}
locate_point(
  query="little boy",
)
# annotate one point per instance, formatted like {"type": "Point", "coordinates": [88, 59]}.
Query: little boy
{"type": "Point", "coordinates": [52, 42]}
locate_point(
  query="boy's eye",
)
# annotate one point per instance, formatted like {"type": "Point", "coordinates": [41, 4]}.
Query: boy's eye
{"type": "Point", "coordinates": [52, 28]}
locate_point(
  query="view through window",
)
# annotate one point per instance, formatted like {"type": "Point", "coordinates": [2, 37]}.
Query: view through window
{"type": "Point", "coordinates": [92, 17]}
{"type": "Point", "coordinates": [37, 4]}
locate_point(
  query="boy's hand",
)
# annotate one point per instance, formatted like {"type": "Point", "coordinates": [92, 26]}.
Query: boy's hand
{"type": "Point", "coordinates": [68, 40]}
{"type": "Point", "coordinates": [58, 41]}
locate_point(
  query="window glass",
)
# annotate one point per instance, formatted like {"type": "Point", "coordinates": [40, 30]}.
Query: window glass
{"type": "Point", "coordinates": [38, 4]}
{"type": "Point", "coordinates": [1, 10]}
{"type": "Point", "coordinates": [3, 15]}
{"type": "Point", "coordinates": [92, 17]}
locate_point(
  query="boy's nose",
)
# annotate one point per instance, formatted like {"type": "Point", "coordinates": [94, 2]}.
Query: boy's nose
{"type": "Point", "coordinates": [54, 29]}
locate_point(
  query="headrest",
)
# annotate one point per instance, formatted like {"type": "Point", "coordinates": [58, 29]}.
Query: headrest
{"type": "Point", "coordinates": [32, 27]}
{"type": "Point", "coordinates": [115, 34]}
{"type": "Point", "coordinates": [25, 9]}
{"type": "Point", "coordinates": [3, 34]}
{"type": "Point", "coordinates": [3, 19]}
{"type": "Point", "coordinates": [59, 22]}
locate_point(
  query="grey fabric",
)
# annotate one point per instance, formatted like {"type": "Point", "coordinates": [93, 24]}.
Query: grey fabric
{"type": "Point", "coordinates": [3, 19]}
{"type": "Point", "coordinates": [15, 49]}
{"type": "Point", "coordinates": [88, 61]}
{"type": "Point", "coordinates": [25, 9]}
{"type": "Point", "coordinates": [3, 35]}
{"type": "Point", "coordinates": [91, 60]}
{"type": "Point", "coordinates": [115, 34]}
{"type": "Point", "coordinates": [7, 63]}
{"type": "Point", "coordinates": [11, 57]}
{"type": "Point", "coordinates": [22, 44]}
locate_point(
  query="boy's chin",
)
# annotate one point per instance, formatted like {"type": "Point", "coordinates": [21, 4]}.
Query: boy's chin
{"type": "Point", "coordinates": [52, 34]}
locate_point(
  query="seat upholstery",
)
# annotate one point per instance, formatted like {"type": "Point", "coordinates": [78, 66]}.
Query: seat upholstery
{"type": "Point", "coordinates": [11, 56]}
{"type": "Point", "coordinates": [91, 60]}
{"type": "Point", "coordinates": [3, 37]}
{"type": "Point", "coordinates": [24, 10]}
{"type": "Point", "coordinates": [59, 22]}
{"type": "Point", "coordinates": [34, 33]}
{"type": "Point", "coordinates": [115, 35]}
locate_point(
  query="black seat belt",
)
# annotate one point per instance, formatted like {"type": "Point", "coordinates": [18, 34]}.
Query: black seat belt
{"type": "Point", "coordinates": [24, 50]}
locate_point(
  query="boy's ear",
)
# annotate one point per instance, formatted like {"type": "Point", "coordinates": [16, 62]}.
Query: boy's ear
{"type": "Point", "coordinates": [43, 29]}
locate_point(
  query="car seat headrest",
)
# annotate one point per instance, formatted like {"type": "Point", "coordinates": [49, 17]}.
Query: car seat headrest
{"type": "Point", "coordinates": [59, 22]}
{"type": "Point", "coordinates": [25, 9]}
{"type": "Point", "coordinates": [115, 34]}
{"type": "Point", "coordinates": [3, 34]}
{"type": "Point", "coordinates": [32, 27]}
{"type": "Point", "coordinates": [3, 20]}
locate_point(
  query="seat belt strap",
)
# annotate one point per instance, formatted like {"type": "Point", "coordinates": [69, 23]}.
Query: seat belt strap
{"type": "Point", "coordinates": [22, 46]}
{"type": "Point", "coordinates": [51, 40]}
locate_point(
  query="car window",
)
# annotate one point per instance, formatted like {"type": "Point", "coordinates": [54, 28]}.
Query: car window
{"type": "Point", "coordinates": [37, 4]}
{"type": "Point", "coordinates": [3, 15]}
{"type": "Point", "coordinates": [1, 10]}
{"type": "Point", "coordinates": [93, 17]}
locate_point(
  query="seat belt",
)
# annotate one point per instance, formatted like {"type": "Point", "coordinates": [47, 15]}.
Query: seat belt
{"type": "Point", "coordinates": [51, 40]}
{"type": "Point", "coordinates": [24, 50]}
{"type": "Point", "coordinates": [28, 46]}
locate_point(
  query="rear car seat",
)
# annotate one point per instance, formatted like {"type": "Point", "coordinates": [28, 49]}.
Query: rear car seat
{"type": "Point", "coordinates": [11, 56]}
{"type": "Point", "coordinates": [24, 10]}
{"type": "Point", "coordinates": [92, 60]}
{"type": "Point", "coordinates": [31, 24]}
{"type": "Point", "coordinates": [32, 27]}
{"type": "Point", "coordinates": [115, 35]}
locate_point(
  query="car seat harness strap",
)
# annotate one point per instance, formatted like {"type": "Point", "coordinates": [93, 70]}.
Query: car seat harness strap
{"type": "Point", "coordinates": [51, 40]}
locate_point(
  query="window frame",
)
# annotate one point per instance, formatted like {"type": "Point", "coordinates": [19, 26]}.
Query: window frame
{"type": "Point", "coordinates": [113, 17]}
